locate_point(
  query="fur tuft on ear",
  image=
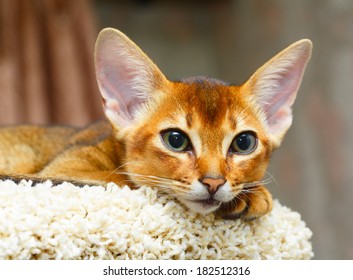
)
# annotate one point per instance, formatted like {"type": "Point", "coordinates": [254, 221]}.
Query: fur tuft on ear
{"type": "Point", "coordinates": [126, 76]}
{"type": "Point", "coordinates": [274, 86]}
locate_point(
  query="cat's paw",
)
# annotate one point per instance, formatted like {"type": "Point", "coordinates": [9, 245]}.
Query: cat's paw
{"type": "Point", "coordinates": [248, 205]}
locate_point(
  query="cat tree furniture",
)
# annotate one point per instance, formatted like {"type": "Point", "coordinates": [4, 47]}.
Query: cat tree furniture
{"type": "Point", "coordinates": [68, 222]}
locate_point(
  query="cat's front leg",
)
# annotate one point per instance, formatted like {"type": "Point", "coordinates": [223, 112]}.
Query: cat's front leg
{"type": "Point", "coordinates": [248, 205]}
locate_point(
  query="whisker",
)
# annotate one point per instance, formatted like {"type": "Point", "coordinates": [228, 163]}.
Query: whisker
{"type": "Point", "coordinates": [252, 192]}
{"type": "Point", "coordinates": [151, 177]}
{"type": "Point", "coordinates": [161, 182]}
{"type": "Point", "coordinates": [273, 178]}
{"type": "Point", "coordinates": [121, 166]}
{"type": "Point", "coordinates": [142, 175]}
{"type": "Point", "coordinates": [248, 185]}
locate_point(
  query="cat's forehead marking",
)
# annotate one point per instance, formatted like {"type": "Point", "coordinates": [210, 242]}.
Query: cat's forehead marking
{"type": "Point", "coordinates": [188, 119]}
{"type": "Point", "coordinates": [202, 80]}
{"type": "Point", "coordinates": [207, 98]}
{"type": "Point", "coordinates": [232, 120]}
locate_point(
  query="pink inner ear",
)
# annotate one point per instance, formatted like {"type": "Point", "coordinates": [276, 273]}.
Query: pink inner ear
{"type": "Point", "coordinates": [280, 121]}
{"type": "Point", "coordinates": [125, 75]}
{"type": "Point", "coordinates": [119, 86]}
{"type": "Point", "coordinates": [277, 106]}
{"type": "Point", "coordinates": [283, 97]}
{"type": "Point", "coordinates": [274, 87]}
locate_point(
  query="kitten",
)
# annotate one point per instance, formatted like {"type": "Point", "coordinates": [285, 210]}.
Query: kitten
{"type": "Point", "coordinates": [204, 141]}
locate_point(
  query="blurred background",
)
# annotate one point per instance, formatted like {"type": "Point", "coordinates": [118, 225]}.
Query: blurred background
{"type": "Point", "coordinates": [47, 76]}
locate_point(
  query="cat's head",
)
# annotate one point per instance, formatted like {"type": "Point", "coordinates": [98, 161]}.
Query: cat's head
{"type": "Point", "coordinates": [201, 140]}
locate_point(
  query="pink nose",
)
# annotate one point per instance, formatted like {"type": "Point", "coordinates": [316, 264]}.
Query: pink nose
{"type": "Point", "coordinates": [213, 184]}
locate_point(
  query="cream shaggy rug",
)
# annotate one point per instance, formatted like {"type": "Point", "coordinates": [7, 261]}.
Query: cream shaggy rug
{"type": "Point", "coordinates": [68, 222]}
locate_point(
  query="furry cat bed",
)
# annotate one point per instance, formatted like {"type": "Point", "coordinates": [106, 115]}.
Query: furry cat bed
{"type": "Point", "coordinates": [68, 222]}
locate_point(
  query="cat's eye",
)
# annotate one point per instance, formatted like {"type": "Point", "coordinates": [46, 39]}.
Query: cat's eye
{"type": "Point", "coordinates": [176, 140]}
{"type": "Point", "coordinates": [244, 143]}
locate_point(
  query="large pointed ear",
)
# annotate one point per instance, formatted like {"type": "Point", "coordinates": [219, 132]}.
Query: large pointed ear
{"type": "Point", "coordinates": [126, 76]}
{"type": "Point", "coordinates": [273, 87]}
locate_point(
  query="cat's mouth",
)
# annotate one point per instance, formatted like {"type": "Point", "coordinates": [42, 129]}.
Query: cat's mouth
{"type": "Point", "coordinates": [208, 202]}
{"type": "Point", "coordinates": [203, 206]}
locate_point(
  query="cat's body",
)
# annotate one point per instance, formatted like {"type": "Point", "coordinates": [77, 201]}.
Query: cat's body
{"type": "Point", "coordinates": [201, 140]}
{"type": "Point", "coordinates": [82, 155]}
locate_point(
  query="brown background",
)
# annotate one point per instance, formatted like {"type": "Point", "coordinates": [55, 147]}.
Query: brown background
{"type": "Point", "coordinates": [46, 76]}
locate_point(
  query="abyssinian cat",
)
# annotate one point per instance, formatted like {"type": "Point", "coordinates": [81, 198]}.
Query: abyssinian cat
{"type": "Point", "coordinates": [202, 140]}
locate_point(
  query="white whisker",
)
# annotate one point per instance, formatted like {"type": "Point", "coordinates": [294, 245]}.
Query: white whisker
{"type": "Point", "coordinates": [121, 166]}
{"type": "Point", "coordinates": [248, 185]}
{"type": "Point", "coordinates": [163, 183]}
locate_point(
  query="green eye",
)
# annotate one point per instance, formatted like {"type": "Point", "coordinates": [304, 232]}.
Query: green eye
{"type": "Point", "coordinates": [176, 140]}
{"type": "Point", "coordinates": [244, 143]}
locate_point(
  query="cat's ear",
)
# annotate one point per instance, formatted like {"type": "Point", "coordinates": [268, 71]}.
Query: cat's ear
{"type": "Point", "coordinates": [273, 87]}
{"type": "Point", "coordinates": [126, 76]}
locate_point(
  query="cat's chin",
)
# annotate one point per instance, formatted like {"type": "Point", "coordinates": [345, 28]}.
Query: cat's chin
{"type": "Point", "coordinates": [205, 206]}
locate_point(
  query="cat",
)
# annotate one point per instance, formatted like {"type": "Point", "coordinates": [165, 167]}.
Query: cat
{"type": "Point", "coordinates": [204, 141]}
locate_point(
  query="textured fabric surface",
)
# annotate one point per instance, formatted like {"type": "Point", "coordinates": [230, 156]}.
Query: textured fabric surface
{"type": "Point", "coordinates": [68, 222]}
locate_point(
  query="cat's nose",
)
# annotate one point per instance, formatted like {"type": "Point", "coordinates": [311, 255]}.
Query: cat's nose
{"type": "Point", "coordinates": [213, 184]}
